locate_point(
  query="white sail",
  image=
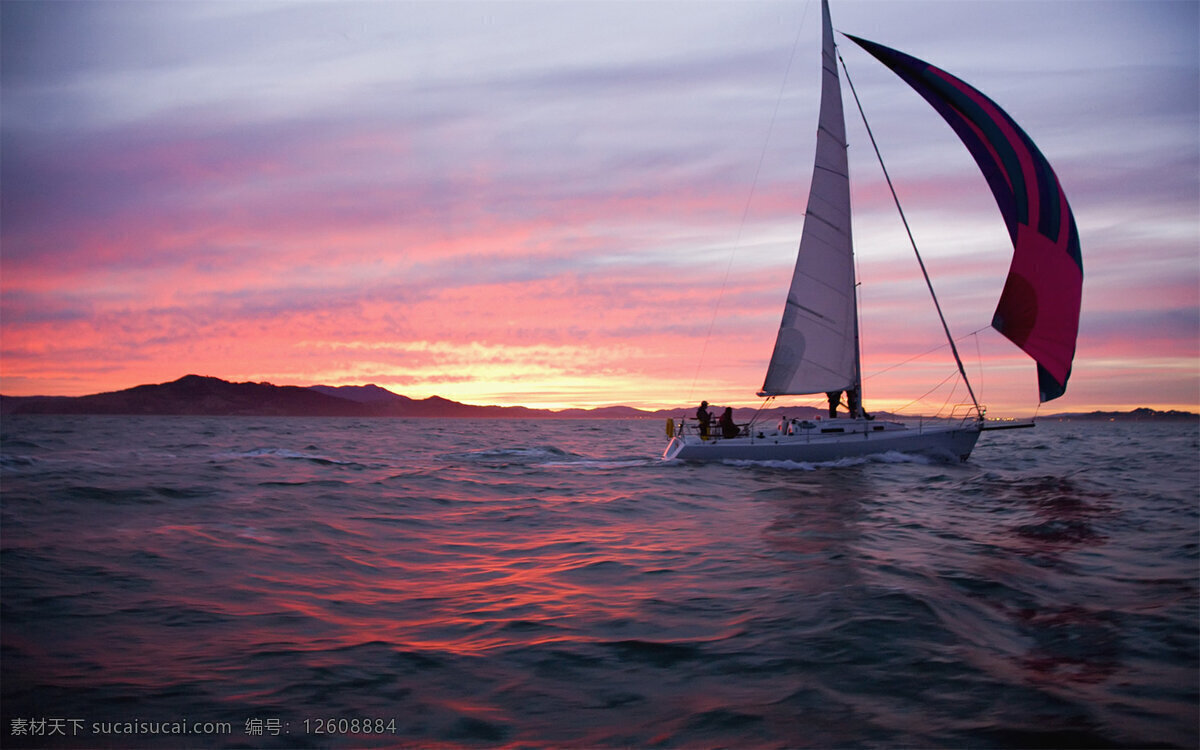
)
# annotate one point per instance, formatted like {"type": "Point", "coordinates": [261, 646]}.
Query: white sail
{"type": "Point", "coordinates": [817, 347]}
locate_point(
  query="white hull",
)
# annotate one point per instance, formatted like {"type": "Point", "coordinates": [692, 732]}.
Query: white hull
{"type": "Point", "coordinates": [830, 441]}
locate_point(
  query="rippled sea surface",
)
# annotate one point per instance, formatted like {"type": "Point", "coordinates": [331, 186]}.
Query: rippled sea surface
{"type": "Point", "coordinates": [229, 582]}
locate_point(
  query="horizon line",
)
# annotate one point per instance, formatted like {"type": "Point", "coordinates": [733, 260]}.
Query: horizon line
{"type": "Point", "coordinates": [1121, 409]}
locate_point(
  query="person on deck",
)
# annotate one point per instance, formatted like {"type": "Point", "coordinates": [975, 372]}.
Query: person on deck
{"type": "Point", "coordinates": [835, 398]}
{"type": "Point", "coordinates": [728, 428]}
{"type": "Point", "coordinates": [704, 418]}
{"type": "Point", "coordinates": [854, 404]}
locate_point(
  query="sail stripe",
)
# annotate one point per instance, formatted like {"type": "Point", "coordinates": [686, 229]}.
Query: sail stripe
{"type": "Point", "coordinates": [1027, 180]}
{"type": "Point", "coordinates": [990, 136]}
{"type": "Point", "coordinates": [1039, 307]}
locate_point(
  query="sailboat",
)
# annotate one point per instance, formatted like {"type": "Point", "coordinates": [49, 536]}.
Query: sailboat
{"type": "Point", "coordinates": [817, 348]}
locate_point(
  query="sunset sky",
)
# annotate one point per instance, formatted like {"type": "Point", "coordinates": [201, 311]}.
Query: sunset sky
{"type": "Point", "coordinates": [570, 203]}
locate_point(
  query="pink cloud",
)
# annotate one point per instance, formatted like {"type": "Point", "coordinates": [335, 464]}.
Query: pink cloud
{"type": "Point", "coordinates": [538, 232]}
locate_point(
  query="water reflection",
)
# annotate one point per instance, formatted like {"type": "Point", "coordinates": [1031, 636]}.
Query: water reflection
{"type": "Point", "coordinates": [569, 589]}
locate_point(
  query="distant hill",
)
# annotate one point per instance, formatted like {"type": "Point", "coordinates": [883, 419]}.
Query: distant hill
{"type": "Point", "coordinates": [198, 395]}
{"type": "Point", "coordinates": [195, 395]}
{"type": "Point", "coordinates": [363, 394]}
{"type": "Point", "coordinates": [207, 396]}
{"type": "Point", "coordinates": [1137, 415]}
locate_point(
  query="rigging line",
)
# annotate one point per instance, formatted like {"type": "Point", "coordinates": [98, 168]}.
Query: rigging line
{"type": "Point", "coordinates": [920, 398]}
{"type": "Point", "coordinates": [762, 157]}
{"type": "Point", "coordinates": [979, 360]}
{"type": "Point", "coordinates": [926, 353]}
{"type": "Point", "coordinates": [949, 398]}
{"type": "Point", "coordinates": [758, 413]}
{"type": "Point", "coordinates": [949, 337]}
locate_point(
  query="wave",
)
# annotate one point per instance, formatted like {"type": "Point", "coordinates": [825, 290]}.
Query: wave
{"type": "Point", "coordinates": [603, 463]}
{"type": "Point", "coordinates": [11, 462]}
{"type": "Point", "coordinates": [284, 453]}
{"type": "Point", "coordinates": [501, 457]}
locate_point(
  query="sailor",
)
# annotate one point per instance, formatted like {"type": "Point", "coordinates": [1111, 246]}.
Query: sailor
{"type": "Point", "coordinates": [728, 428]}
{"type": "Point", "coordinates": [835, 398]}
{"type": "Point", "coordinates": [854, 403]}
{"type": "Point", "coordinates": [704, 418]}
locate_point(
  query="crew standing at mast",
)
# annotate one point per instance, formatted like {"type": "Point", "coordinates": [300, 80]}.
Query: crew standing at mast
{"type": "Point", "coordinates": [704, 418]}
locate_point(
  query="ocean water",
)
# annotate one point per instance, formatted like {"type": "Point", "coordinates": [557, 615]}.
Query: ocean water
{"type": "Point", "coordinates": [242, 582]}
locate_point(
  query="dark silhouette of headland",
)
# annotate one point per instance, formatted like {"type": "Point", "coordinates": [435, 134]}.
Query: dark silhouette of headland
{"type": "Point", "coordinates": [197, 395]}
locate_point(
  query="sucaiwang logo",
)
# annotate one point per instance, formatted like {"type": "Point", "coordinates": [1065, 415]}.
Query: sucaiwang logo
{"type": "Point", "coordinates": [161, 727]}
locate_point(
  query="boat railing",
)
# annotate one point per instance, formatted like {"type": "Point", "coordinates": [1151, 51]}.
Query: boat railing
{"type": "Point", "coordinates": [966, 413]}
{"type": "Point", "coordinates": [808, 429]}
{"type": "Point", "coordinates": [688, 425]}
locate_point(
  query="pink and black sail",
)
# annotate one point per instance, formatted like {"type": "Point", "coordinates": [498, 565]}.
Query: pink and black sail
{"type": "Point", "coordinates": [1039, 307]}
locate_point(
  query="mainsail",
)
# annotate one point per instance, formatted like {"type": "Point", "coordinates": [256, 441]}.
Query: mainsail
{"type": "Point", "coordinates": [816, 349]}
{"type": "Point", "coordinates": [1039, 307]}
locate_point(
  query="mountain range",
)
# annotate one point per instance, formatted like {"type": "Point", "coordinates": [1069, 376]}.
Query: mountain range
{"type": "Point", "coordinates": [198, 395]}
